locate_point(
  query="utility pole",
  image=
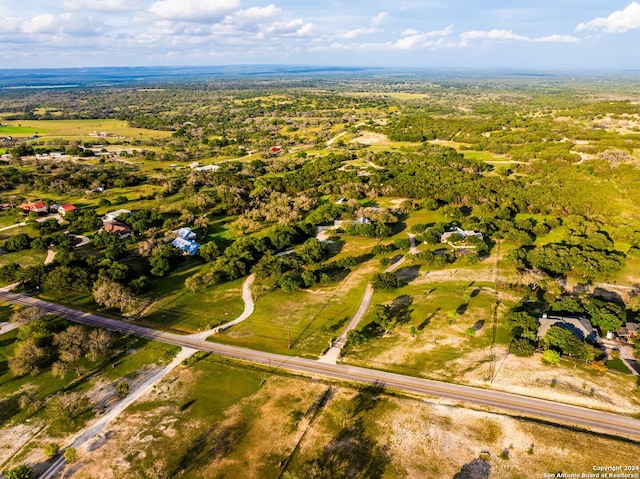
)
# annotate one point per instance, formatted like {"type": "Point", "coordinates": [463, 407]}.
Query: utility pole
{"type": "Point", "coordinates": [289, 336]}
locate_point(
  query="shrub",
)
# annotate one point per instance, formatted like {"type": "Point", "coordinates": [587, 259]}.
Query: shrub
{"type": "Point", "coordinates": [19, 472]}
{"type": "Point", "coordinates": [551, 357]}
{"type": "Point", "coordinates": [51, 449]}
{"type": "Point", "coordinates": [70, 454]}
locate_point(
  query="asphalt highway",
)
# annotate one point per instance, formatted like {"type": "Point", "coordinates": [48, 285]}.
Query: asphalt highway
{"type": "Point", "coordinates": [513, 404]}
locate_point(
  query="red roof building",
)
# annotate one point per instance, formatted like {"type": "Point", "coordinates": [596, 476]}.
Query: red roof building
{"type": "Point", "coordinates": [38, 207]}
{"type": "Point", "coordinates": [66, 208]}
{"type": "Point", "coordinates": [120, 229]}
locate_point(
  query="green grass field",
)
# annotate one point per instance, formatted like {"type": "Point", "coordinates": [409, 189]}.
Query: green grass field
{"type": "Point", "coordinates": [19, 131]}
{"type": "Point", "coordinates": [307, 320]}
{"type": "Point", "coordinates": [77, 129]}
{"type": "Point", "coordinates": [180, 309]}
{"type": "Point", "coordinates": [430, 329]}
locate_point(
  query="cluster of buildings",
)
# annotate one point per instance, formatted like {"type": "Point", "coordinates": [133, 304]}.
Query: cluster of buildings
{"type": "Point", "coordinates": [41, 208]}
{"type": "Point", "coordinates": [582, 329]}
{"type": "Point", "coordinates": [110, 224]}
{"type": "Point", "coordinates": [185, 241]}
{"type": "Point", "coordinates": [196, 166]}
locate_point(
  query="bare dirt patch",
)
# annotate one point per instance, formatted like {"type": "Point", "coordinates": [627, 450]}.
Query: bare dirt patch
{"type": "Point", "coordinates": [371, 138]}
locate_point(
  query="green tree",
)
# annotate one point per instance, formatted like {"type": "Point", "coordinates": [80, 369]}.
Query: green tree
{"type": "Point", "coordinates": [18, 242]}
{"type": "Point", "coordinates": [113, 295]}
{"type": "Point", "coordinates": [385, 281]}
{"type": "Point", "coordinates": [209, 251]}
{"type": "Point", "coordinates": [564, 340]}
{"type": "Point", "coordinates": [520, 322]}
{"type": "Point", "coordinates": [51, 449]}
{"type": "Point", "coordinates": [383, 316]}
{"type": "Point", "coordinates": [70, 454]}
{"type": "Point", "coordinates": [28, 358]}
{"type": "Point", "coordinates": [522, 347]}
{"type": "Point", "coordinates": [19, 472]}
{"type": "Point", "coordinates": [122, 388]}
{"type": "Point", "coordinates": [550, 356]}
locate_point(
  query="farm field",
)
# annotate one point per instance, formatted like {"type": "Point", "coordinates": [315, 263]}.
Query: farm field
{"type": "Point", "coordinates": [75, 129]}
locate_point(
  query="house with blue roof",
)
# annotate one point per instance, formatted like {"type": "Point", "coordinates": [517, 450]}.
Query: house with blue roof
{"type": "Point", "coordinates": [185, 233]}
{"type": "Point", "coordinates": [188, 247]}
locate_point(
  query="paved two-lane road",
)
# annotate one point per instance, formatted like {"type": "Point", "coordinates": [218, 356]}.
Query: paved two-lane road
{"type": "Point", "coordinates": [512, 403]}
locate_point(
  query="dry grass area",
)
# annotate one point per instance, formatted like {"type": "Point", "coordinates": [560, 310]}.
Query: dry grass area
{"type": "Point", "coordinates": [371, 138]}
{"type": "Point", "coordinates": [219, 433]}
{"type": "Point", "coordinates": [245, 431]}
{"type": "Point", "coordinates": [570, 382]}
{"type": "Point", "coordinates": [28, 438]}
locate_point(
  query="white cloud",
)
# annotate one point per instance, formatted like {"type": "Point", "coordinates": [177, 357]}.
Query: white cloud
{"type": "Point", "coordinates": [379, 18]}
{"type": "Point", "coordinates": [253, 15]}
{"type": "Point", "coordinates": [50, 24]}
{"type": "Point", "coordinates": [619, 21]}
{"type": "Point", "coordinates": [356, 32]}
{"type": "Point", "coordinates": [509, 36]}
{"type": "Point", "coordinates": [203, 11]}
{"type": "Point", "coordinates": [102, 5]}
{"type": "Point", "coordinates": [555, 38]}
{"type": "Point", "coordinates": [45, 23]}
{"type": "Point", "coordinates": [496, 35]}
{"type": "Point", "coordinates": [293, 28]}
{"type": "Point", "coordinates": [409, 40]}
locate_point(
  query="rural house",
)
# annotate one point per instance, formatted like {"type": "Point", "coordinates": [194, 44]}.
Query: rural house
{"type": "Point", "coordinates": [185, 233]}
{"type": "Point", "coordinates": [628, 332]}
{"type": "Point", "coordinates": [113, 215]}
{"type": "Point", "coordinates": [38, 207]}
{"type": "Point", "coordinates": [186, 246]}
{"type": "Point", "coordinates": [580, 327]}
{"type": "Point", "coordinates": [66, 208]}
{"type": "Point", "coordinates": [120, 229]}
{"type": "Point", "coordinates": [458, 235]}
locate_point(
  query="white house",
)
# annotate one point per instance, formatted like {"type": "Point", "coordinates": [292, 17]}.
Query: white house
{"type": "Point", "coordinates": [113, 215]}
{"type": "Point", "coordinates": [446, 237]}
{"type": "Point", "coordinates": [185, 233]}
{"type": "Point", "coordinates": [213, 168]}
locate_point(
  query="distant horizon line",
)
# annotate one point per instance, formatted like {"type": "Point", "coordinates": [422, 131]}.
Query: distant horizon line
{"type": "Point", "coordinates": [335, 67]}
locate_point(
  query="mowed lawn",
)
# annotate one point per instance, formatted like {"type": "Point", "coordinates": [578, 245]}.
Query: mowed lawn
{"type": "Point", "coordinates": [183, 310]}
{"type": "Point", "coordinates": [76, 128]}
{"type": "Point", "coordinates": [306, 320]}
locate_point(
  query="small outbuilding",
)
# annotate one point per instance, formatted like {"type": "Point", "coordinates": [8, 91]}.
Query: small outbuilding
{"type": "Point", "coordinates": [113, 215]}
{"type": "Point", "coordinates": [185, 233]}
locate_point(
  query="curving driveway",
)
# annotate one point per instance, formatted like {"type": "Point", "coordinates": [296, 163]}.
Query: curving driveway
{"type": "Point", "coordinates": [249, 306]}
{"type": "Point", "coordinates": [333, 353]}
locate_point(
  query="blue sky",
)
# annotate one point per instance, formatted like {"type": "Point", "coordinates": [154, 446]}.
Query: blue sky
{"type": "Point", "coordinates": [541, 34]}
